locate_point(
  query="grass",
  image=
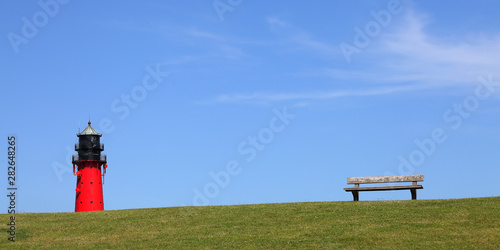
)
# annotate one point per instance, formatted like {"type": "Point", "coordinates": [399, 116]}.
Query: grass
{"type": "Point", "coordinates": [461, 223]}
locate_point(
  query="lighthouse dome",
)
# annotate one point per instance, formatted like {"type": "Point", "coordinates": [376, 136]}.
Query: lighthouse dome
{"type": "Point", "coordinates": [89, 131]}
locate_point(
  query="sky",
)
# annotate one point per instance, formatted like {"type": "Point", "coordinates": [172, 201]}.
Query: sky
{"type": "Point", "coordinates": [232, 102]}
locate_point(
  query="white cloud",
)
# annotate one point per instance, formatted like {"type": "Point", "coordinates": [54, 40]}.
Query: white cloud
{"type": "Point", "coordinates": [204, 34]}
{"type": "Point", "coordinates": [301, 38]}
{"type": "Point", "coordinates": [273, 21]}
{"type": "Point", "coordinates": [264, 98]}
{"type": "Point", "coordinates": [410, 55]}
{"type": "Point", "coordinates": [406, 59]}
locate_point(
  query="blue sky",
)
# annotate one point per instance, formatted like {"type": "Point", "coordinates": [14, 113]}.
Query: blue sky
{"type": "Point", "coordinates": [242, 102]}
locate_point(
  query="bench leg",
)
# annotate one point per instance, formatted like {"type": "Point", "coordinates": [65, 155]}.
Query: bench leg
{"type": "Point", "coordinates": [413, 194]}
{"type": "Point", "coordinates": [355, 195]}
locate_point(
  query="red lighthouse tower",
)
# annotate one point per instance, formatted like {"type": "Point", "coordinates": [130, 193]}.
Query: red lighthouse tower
{"type": "Point", "coordinates": [91, 166]}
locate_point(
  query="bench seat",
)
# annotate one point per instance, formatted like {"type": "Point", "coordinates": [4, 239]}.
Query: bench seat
{"type": "Point", "coordinates": [384, 179]}
{"type": "Point", "coordinates": [384, 188]}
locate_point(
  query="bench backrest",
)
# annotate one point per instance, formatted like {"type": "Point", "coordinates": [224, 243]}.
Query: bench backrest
{"type": "Point", "coordinates": [385, 179]}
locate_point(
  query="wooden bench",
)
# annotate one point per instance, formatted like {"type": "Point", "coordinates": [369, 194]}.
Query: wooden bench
{"type": "Point", "coordinates": [384, 179]}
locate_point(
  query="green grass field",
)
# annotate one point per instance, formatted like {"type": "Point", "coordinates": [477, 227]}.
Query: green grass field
{"type": "Point", "coordinates": [461, 223]}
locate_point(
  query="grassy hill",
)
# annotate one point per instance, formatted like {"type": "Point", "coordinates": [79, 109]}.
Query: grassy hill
{"type": "Point", "coordinates": [463, 223]}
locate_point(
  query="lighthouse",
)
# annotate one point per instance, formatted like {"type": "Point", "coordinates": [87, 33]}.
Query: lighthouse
{"type": "Point", "coordinates": [91, 167]}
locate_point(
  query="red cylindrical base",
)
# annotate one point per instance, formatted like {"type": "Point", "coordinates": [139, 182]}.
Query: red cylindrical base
{"type": "Point", "coordinates": [89, 187]}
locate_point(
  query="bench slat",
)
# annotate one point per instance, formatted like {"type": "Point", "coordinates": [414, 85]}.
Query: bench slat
{"type": "Point", "coordinates": [384, 188]}
{"type": "Point", "coordinates": [385, 179]}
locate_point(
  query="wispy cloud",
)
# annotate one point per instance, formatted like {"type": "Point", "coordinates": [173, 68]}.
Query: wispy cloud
{"type": "Point", "coordinates": [207, 45]}
{"type": "Point", "coordinates": [265, 98]}
{"type": "Point", "coordinates": [406, 59]}
{"type": "Point", "coordinates": [409, 54]}
{"type": "Point", "coordinates": [205, 35]}
{"type": "Point", "coordinates": [294, 35]}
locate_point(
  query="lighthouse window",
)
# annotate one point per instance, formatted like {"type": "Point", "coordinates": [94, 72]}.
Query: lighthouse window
{"type": "Point", "coordinates": [90, 182]}
{"type": "Point", "coordinates": [82, 182]}
{"type": "Point", "coordinates": [80, 202]}
{"type": "Point", "coordinates": [91, 202]}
